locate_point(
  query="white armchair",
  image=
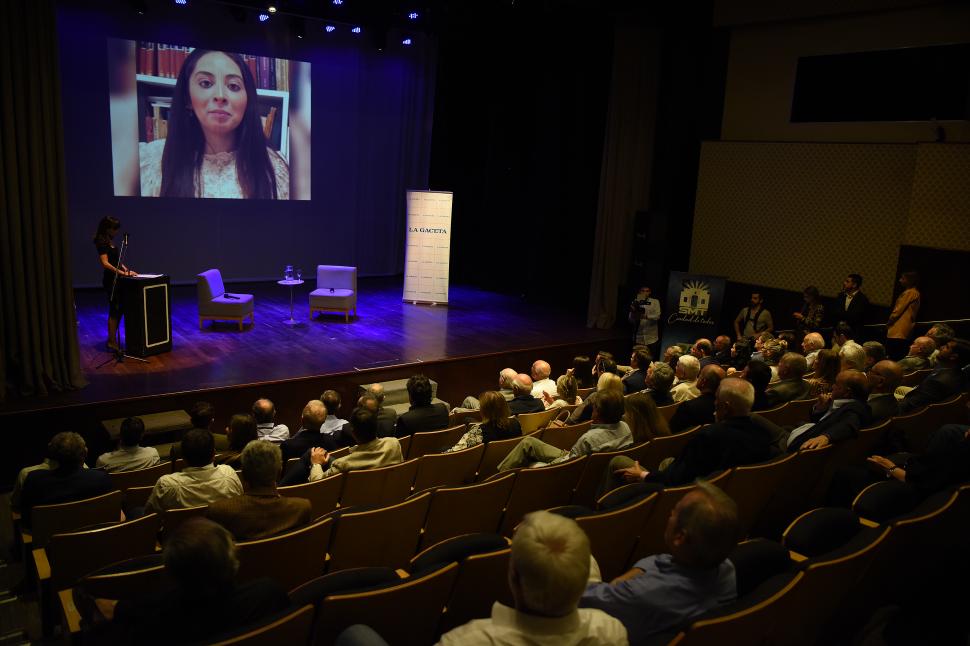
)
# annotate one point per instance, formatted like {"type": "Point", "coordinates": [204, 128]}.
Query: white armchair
{"type": "Point", "coordinates": [336, 290]}
{"type": "Point", "coordinates": [213, 304]}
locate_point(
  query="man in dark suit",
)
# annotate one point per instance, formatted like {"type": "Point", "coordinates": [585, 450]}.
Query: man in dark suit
{"type": "Point", "coordinates": [851, 305]}
{"type": "Point", "coordinates": [70, 481]}
{"type": "Point", "coordinates": [884, 377]}
{"type": "Point", "coordinates": [423, 415]}
{"type": "Point", "coordinates": [722, 350]}
{"type": "Point", "coordinates": [699, 410]}
{"type": "Point", "coordinates": [703, 349]}
{"type": "Point", "coordinates": [309, 435]}
{"type": "Point", "coordinates": [524, 402]}
{"type": "Point", "coordinates": [790, 385]}
{"type": "Point", "coordinates": [944, 382]}
{"type": "Point", "coordinates": [731, 441]}
{"type": "Point", "coordinates": [635, 380]}
{"type": "Point", "coordinates": [660, 377]}
{"type": "Point", "coordinates": [835, 417]}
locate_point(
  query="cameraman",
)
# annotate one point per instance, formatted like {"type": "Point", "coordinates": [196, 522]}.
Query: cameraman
{"type": "Point", "coordinates": [644, 314]}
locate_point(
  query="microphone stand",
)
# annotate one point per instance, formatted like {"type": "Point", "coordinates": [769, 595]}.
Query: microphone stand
{"type": "Point", "coordinates": [119, 355]}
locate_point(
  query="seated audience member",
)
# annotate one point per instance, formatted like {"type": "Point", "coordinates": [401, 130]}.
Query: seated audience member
{"type": "Point", "coordinates": [67, 481]}
{"type": "Point", "coordinates": [200, 482]}
{"type": "Point", "coordinates": [309, 434]}
{"type": "Point", "coordinates": [496, 423]}
{"type": "Point", "coordinates": [260, 512]}
{"type": "Point", "coordinates": [204, 602]}
{"type": "Point", "coordinates": [423, 415]}
{"type": "Point", "coordinates": [202, 414]}
{"type": "Point", "coordinates": [790, 384]}
{"type": "Point", "coordinates": [699, 410]}
{"type": "Point", "coordinates": [599, 364]}
{"type": "Point", "coordinates": [759, 345]}
{"type": "Point", "coordinates": [811, 344]}
{"type": "Point", "coordinates": [686, 386]}
{"type": "Point", "coordinates": [548, 570]}
{"type": "Point", "coordinates": [672, 355]}
{"type": "Point", "coordinates": [919, 354]}
{"type": "Point", "coordinates": [370, 451]}
{"type": "Point", "coordinates": [827, 367]}
{"type": "Point", "coordinates": [505, 379]}
{"type": "Point", "coordinates": [758, 374]}
{"type": "Point", "coordinates": [852, 356]}
{"type": "Point", "coordinates": [386, 417]}
{"type": "Point", "coordinates": [241, 431]}
{"type": "Point", "coordinates": [583, 371]}
{"type": "Point", "coordinates": [722, 350]}
{"type": "Point", "coordinates": [772, 351]}
{"type": "Point", "coordinates": [566, 394]}
{"type": "Point", "coordinates": [835, 417]}
{"type": "Point", "coordinates": [264, 412]}
{"type": "Point", "coordinates": [884, 378]}
{"type": "Point", "coordinates": [703, 350]}
{"type": "Point", "coordinates": [660, 379]}
{"type": "Point", "coordinates": [875, 352]}
{"type": "Point", "coordinates": [941, 333]}
{"type": "Point", "coordinates": [524, 402]}
{"type": "Point", "coordinates": [733, 440]}
{"type": "Point", "coordinates": [607, 382]}
{"type": "Point", "coordinates": [130, 456]}
{"type": "Point", "coordinates": [664, 591]}
{"type": "Point", "coordinates": [841, 334]}
{"type": "Point", "coordinates": [946, 380]}
{"type": "Point", "coordinates": [18, 486]}
{"type": "Point", "coordinates": [541, 383]}
{"type": "Point", "coordinates": [740, 355]}
{"type": "Point", "coordinates": [608, 433]}
{"type": "Point", "coordinates": [643, 418]}
{"type": "Point", "coordinates": [333, 424]}
{"type": "Point", "coordinates": [635, 380]}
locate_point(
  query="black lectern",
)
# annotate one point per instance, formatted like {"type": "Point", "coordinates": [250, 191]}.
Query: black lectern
{"type": "Point", "coordinates": [147, 307]}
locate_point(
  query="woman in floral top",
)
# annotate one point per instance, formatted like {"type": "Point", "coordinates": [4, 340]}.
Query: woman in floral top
{"type": "Point", "coordinates": [496, 424]}
{"type": "Point", "coordinates": [809, 319]}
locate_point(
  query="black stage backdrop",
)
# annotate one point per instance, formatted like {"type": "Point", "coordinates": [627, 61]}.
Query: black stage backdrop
{"type": "Point", "coordinates": [371, 136]}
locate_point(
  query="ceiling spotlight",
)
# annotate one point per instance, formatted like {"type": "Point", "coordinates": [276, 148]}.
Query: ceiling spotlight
{"type": "Point", "coordinates": [337, 3]}
{"type": "Point", "coordinates": [271, 8]}
{"type": "Point", "coordinates": [181, 3]}
{"type": "Point", "coordinates": [406, 42]}
{"type": "Point", "coordinates": [329, 29]}
{"type": "Point", "coordinates": [413, 15]}
{"type": "Point", "coordinates": [355, 30]}
{"type": "Point", "coordinates": [263, 17]}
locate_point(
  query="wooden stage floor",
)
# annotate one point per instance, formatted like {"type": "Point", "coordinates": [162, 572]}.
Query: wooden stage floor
{"type": "Point", "coordinates": [387, 332]}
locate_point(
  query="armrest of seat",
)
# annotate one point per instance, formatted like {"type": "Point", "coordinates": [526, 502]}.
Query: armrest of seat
{"type": "Point", "coordinates": [401, 573]}
{"type": "Point", "coordinates": [796, 557]}
{"type": "Point", "coordinates": [42, 565]}
{"type": "Point", "coordinates": [70, 617]}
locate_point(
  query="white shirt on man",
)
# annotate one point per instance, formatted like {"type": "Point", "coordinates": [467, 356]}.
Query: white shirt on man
{"type": "Point", "coordinates": [129, 458]}
{"type": "Point", "coordinates": [584, 626]}
{"type": "Point", "coordinates": [194, 486]}
{"type": "Point", "coordinates": [276, 433]}
{"type": "Point", "coordinates": [546, 385]}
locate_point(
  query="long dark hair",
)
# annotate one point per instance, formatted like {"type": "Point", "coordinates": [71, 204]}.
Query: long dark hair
{"type": "Point", "coordinates": [107, 224]}
{"type": "Point", "coordinates": [185, 145]}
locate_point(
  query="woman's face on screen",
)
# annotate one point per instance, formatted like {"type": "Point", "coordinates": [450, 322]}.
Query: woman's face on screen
{"type": "Point", "coordinates": [218, 93]}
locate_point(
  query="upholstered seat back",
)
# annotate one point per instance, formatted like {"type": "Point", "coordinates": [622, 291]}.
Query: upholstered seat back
{"type": "Point", "coordinates": [210, 286]}
{"type": "Point", "coordinates": [336, 277]}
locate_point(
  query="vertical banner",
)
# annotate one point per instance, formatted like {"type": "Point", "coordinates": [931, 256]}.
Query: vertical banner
{"type": "Point", "coordinates": [428, 250]}
{"type": "Point", "coordinates": [693, 307]}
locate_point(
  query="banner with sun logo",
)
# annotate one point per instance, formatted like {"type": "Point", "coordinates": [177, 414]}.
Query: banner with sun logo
{"type": "Point", "coordinates": [693, 307]}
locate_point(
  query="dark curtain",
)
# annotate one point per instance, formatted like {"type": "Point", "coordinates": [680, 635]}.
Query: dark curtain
{"type": "Point", "coordinates": [627, 163]}
{"type": "Point", "coordinates": [38, 334]}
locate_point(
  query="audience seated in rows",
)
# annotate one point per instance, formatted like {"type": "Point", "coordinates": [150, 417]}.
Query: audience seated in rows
{"type": "Point", "coordinates": [423, 415]}
{"type": "Point", "coordinates": [66, 480]}
{"type": "Point", "coordinates": [260, 511]}
{"type": "Point", "coordinates": [373, 399]}
{"type": "Point", "coordinates": [884, 378]}
{"type": "Point", "coordinates": [663, 591]}
{"type": "Point", "coordinates": [566, 393]}
{"type": "Point", "coordinates": [548, 571]}
{"type": "Point", "coordinates": [722, 350]}
{"type": "Point", "coordinates": [771, 352]}
{"type": "Point", "coordinates": [686, 385]}
{"type": "Point", "coordinates": [496, 424]}
{"type": "Point", "coordinates": [541, 382]}
{"type": "Point", "coordinates": [309, 435]}
{"type": "Point", "coordinates": [201, 415]}
{"type": "Point", "coordinates": [130, 455]}
{"type": "Point", "coordinates": [636, 379]}
{"type": "Point", "coordinates": [919, 354]}
{"type": "Point", "coordinates": [524, 402]}
{"type": "Point", "coordinates": [941, 333]}
{"type": "Point", "coordinates": [608, 433]}
{"type": "Point", "coordinates": [660, 379]}
{"type": "Point", "coordinates": [264, 412]}
{"type": "Point", "coordinates": [811, 344]}
{"type": "Point", "coordinates": [370, 451]}
{"type": "Point", "coordinates": [333, 424]}
{"type": "Point", "coordinates": [835, 417]}
{"type": "Point", "coordinates": [241, 431]}
{"type": "Point", "coordinates": [201, 482]}
{"type": "Point", "coordinates": [584, 412]}
{"type": "Point", "coordinates": [673, 354]}
{"type": "Point", "coordinates": [703, 351]}
{"type": "Point", "coordinates": [759, 345]}
{"type": "Point", "coordinates": [204, 602]}
{"type": "Point", "coordinates": [700, 410]}
{"type": "Point", "coordinates": [790, 384]}
{"type": "Point", "coordinates": [946, 380]}
{"type": "Point", "coordinates": [875, 352]}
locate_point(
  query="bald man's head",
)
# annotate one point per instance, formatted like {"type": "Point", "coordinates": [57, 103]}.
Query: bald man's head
{"type": "Point", "coordinates": [377, 390]}
{"type": "Point", "coordinates": [541, 370]}
{"type": "Point", "coordinates": [522, 384]}
{"type": "Point", "coordinates": [710, 378]}
{"type": "Point", "coordinates": [885, 376]}
{"type": "Point", "coordinates": [851, 384]}
{"type": "Point", "coordinates": [923, 346]}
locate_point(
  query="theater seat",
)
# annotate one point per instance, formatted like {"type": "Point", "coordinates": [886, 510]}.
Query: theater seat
{"type": "Point", "coordinates": [215, 305]}
{"type": "Point", "coordinates": [336, 290]}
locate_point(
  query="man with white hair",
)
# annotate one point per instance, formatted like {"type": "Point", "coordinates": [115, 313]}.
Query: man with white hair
{"type": "Point", "coordinates": [548, 571]}
{"type": "Point", "coordinates": [919, 355]}
{"type": "Point", "coordinates": [686, 387]}
{"type": "Point", "coordinates": [734, 439]}
{"type": "Point", "coordinates": [811, 344]}
{"type": "Point", "coordinates": [505, 379]}
{"type": "Point", "coordinates": [541, 382]}
{"type": "Point", "coordinates": [664, 591]}
{"type": "Point", "coordinates": [853, 356]}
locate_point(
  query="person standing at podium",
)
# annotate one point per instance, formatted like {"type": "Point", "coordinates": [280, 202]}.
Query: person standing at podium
{"type": "Point", "coordinates": [108, 254]}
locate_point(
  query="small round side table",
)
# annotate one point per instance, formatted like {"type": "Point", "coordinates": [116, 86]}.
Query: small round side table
{"type": "Point", "coordinates": [291, 284]}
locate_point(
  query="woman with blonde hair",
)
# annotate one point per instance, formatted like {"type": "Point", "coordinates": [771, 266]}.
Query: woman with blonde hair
{"type": "Point", "coordinates": [644, 419]}
{"type": "Point", "coordinates": [567, 393]}
{"type": "Point", "coordinates": [608, 381]}
{"type": "Point", "coordinates": [497, 423]}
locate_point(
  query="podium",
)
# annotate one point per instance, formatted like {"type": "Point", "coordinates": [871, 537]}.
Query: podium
{"type": "Point", "coordinates": [147, 306]}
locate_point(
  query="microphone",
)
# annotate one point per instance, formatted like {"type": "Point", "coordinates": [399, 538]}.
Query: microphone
{"type": "Point", "coordinates": [126, 237]}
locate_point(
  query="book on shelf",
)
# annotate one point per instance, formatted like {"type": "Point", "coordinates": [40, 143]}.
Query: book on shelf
{"type": "Point", "coordinates": [165, 61]}
{"type": "Point", "coordinates": [268, 122]}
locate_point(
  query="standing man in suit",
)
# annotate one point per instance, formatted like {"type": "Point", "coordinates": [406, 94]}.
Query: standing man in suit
{"type": "Point", "coordinates": [837, 416]}
{"type": "Point", "coordinates": [851, 305]}
{"type": "Point", "coordinates": [423, 415]}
